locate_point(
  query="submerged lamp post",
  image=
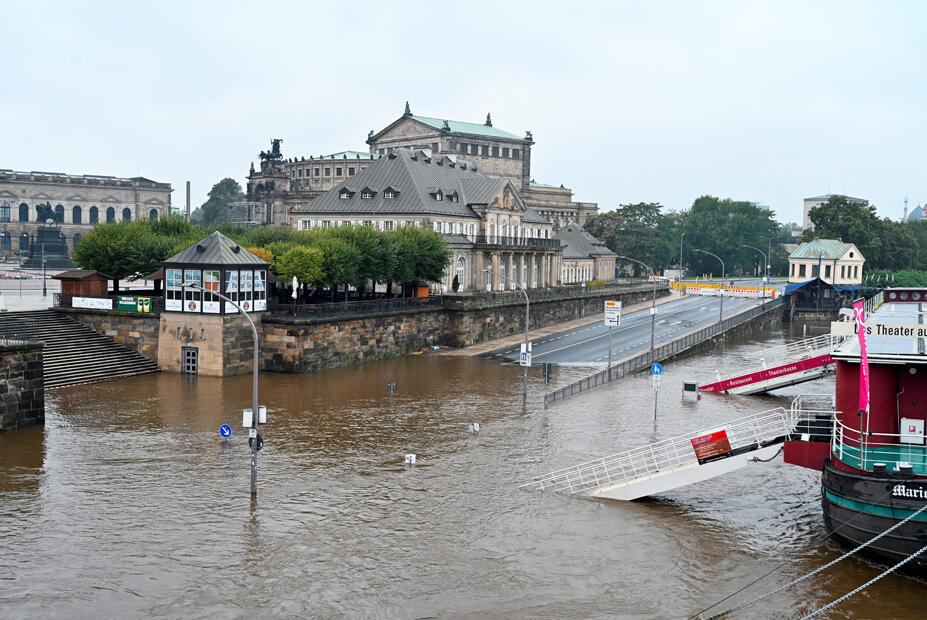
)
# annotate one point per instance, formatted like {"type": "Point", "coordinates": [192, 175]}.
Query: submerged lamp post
{"type": "Point", "coordinates": [721, 290]}
{"type": "Point", "coordinates": [653, 302]}
{"type": "Point", "coordinates": [524, 381]}
{"type": "Point", "coordinates": [255, 417]}
{"type": "Point", "coordinates": [44, 291]}
{"type": "Point", "coordinates": [765, 271]}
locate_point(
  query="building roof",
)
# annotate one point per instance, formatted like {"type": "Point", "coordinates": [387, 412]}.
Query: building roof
{"type": "Point", "coordinates": [827, 249]}
{"type": "Point", "coordinates": [827, 197]}
{"type": "Point", "coordinates": [416, 179]}
{"type": "Point", "coordinates": [473, 129]}
{"type": "Point", "coordinates": [216, 249]}
{"type": "Point", "coordinates": [916, 215]}
{"type": "Point", "coordinates": [81, 274]}
{"type": "Point", "coordinates": [580, 244]}
{"type": "Point", "coordinates": [530, 216]}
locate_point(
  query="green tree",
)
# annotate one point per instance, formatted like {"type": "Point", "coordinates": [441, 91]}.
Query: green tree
{"type": "Point", "coordinates": [640, 231]}
{"type": "Point", "coordinates": [133, 248]}
{"type": "Point", "coordinates": [724, 227]}
{"type": "Point", "coordinates": [421, 255]}
{"type": "Point", "coordinates": [306, 263]}
{"type": "Point", "coordinates": [215, 209]}
{"type": "Point", "coordinates": [849, 221]}
{"type": "Point", "coordinates": [339, 262]}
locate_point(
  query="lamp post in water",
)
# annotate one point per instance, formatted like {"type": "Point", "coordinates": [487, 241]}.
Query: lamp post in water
{"type": "Point", "coordinates": [524, 381]}
{"type": "Point", "coordinates": [720, 290]}
{"type": "Point", "coordinates": [653, 302]}
{"type": "Point", "coordinates": [255, 416]}
{"type": "Point", "coordinates": [44, 291]}
{"type": "Point", "coordinates": [765, 270]}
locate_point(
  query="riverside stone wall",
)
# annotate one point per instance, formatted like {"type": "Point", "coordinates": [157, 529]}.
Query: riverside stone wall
{"type": "Point", "coordinates": [22, 388]}
{"type": "Point", "coordinates": [139, 331]}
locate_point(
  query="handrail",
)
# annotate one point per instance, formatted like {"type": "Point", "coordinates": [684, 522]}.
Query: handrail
{"type": "Point", "coordinates": [657, 458]}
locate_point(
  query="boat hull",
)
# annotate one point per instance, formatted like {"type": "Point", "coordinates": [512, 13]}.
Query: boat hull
{"type": "Point", "coordinates": [858, 507]}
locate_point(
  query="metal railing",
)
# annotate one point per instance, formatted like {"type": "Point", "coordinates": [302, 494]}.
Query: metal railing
{"type": "Point", "coordinates": [645, 359]}
{"type": "Point", "coordinates": [518, 242]}
{"type": "Point", "coordinates": [662, 457]}
{"type": "Point", "coordinates": [354, 308]}
{"type": "Point", "coordinates": [863, 450]}
{"type": "Point", "coordinates": [556, 293]}
{"type": "Point", "coordinates": [18, 331]}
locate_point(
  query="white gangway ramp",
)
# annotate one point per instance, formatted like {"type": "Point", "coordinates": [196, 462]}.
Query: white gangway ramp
{"type": "Point", "coordinates": [672, 463]}
{"type": "Point", "coordinates": [789, 364]}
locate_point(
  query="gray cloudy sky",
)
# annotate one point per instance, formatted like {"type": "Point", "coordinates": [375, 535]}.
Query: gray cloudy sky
{"type": "Point", "coordinates": [628, 101]}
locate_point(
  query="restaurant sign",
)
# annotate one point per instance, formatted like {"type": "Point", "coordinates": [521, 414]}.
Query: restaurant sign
{"type": "Point", "coordinates": [712, 446]}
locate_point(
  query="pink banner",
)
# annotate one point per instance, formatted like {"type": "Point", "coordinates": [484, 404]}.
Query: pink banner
{"type": "Point", "coordinates": [764, 375]}
{"type": "Point", "coordinates": [859, 311]}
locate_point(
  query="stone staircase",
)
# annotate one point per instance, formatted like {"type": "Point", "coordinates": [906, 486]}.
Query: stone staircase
{"type": "Point", "coordinates": [75, 354]}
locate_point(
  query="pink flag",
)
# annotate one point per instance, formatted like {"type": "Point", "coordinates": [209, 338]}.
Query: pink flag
{"type": "Point", "coordinates": [859, 312]}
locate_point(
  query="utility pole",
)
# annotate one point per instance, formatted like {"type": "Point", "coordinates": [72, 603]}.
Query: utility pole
{"type": "Point", "coordinates": [524, 381]}
{"type": "Point", "coordinates": [44, 290]}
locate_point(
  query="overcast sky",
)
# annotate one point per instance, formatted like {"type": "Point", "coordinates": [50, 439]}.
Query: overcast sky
{"type": "Point", "coordinates": [628, 101]}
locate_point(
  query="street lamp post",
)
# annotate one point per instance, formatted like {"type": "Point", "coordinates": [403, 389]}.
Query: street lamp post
{"type": "Point", "coordinates": [721, 290]}
{"type": "Point", "coordinates": [524, 381]}
{"type": "Point", "coordinates": [653, 301]}
{"type": "Point", "coordinates": [680, 254]}
{"type": "Point", "coordinates": [44, 290]}
{"type": "Point", "coordinates": [765, 271]}
{"type": "Point", "coordinates": [255, 418]}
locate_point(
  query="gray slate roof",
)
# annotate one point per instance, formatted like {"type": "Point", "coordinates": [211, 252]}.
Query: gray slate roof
{"type": "Point", "coordinates": [533, 217]}
{"type": "Point", "coordinates": [577, 243]}
{"type": "Point", "coordinates": [416, 178]}
{"type": "Point", "coordinates": [216, 249]}
{"type": "Point", "coordinates": [827, 197]}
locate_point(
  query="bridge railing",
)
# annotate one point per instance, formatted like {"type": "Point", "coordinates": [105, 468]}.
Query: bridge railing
{"type": "Point", "coordinates": [650, 461]}
{"type": "Point", "coordinates": [17, 331]}
{"type": "Point", "coordinates": [643, 360]}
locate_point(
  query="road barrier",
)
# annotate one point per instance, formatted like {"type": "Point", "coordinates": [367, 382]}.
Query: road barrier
{"type": "Point", "coordinates": [644, 360]}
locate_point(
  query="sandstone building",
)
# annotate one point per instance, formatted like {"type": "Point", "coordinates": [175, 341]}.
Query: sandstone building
{"type": "Point", "coordinates": [584, 257]}
{"type": "Point", "coordinates": [484, 220]}
{"type": "Point", "coordinates": [74, 202]}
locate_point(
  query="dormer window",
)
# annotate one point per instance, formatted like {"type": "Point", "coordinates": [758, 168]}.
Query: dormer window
{"type": "Point", "coordinates": [345, 194]}
{"type": "Point", "coordinates": [439, 196]}
{"type": "Point", "coordinates": [367, 193]}
{"type": "Point", "coordinates": [390, 193]}
{"type": "Point", "coordinates": [452, 197]}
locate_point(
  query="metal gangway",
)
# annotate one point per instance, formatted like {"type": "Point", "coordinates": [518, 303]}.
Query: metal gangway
{"type": "Point", "coordinates": [673, 463]}
{"type": "Point", "coordinates": [789, 364]}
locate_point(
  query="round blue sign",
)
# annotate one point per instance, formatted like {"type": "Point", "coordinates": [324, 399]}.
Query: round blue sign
{"type": "Point", "coordinates": [225, 430]}
{"type": "Point", "coordinates": [656, 369]}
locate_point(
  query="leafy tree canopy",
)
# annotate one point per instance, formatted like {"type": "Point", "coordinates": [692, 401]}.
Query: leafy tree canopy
{"type": "Point", "coordinates": [215, 209]}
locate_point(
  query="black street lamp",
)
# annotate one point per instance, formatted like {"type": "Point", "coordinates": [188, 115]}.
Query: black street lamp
{"type": "Point", "coordinates": [653, 301]}
{"type": "Point", "coordinates": [720, 290]}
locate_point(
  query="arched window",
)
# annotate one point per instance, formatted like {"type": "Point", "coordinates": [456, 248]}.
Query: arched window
{"type": "Point", "coordinates": [4, 241]}
{"type": "Point", "coordinates": [24, 242]}
{"type": "Point", "coordinates": [153, 214]}
{"type": "Point", "coordinates": [126, 214]}
{"type": "Point", "coordinates": [94, 215]}
{"type": "Point", "coordinates": [76, 215]}
{"type": "Point", "coordinates": [77, 237]}
{"type": "Point", "coordinates": [461, 267]}
{"type": "Point", "coordinates": [4, 212]}
{"type": "Point", "coordinates": [24, 212]}
{"type": "Point", "coordinates": [59, 213]}
{"type": "Point", "coordinates": [110, 215]}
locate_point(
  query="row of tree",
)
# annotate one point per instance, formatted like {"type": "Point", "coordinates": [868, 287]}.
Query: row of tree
{"type": "Point", "coordinates": [324, 258]}
{"type": "Point", "coordinates": [728, 228]}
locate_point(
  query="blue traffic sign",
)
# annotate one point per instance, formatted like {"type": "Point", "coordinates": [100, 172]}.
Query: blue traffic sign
{"type": "Point", "coordinates": [656, 369]}
{"type": "Point", "coordinates": [225, 430]}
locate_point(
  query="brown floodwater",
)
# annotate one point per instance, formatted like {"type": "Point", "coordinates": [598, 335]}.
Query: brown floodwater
{"type": "Point", "coordinates": [129, 503]}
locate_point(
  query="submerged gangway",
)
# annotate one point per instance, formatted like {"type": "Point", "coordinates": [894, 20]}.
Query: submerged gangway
{"type": "Point", "coordinates": [795, 362]}
{"type": "Point", "coordinates": [673, 463]}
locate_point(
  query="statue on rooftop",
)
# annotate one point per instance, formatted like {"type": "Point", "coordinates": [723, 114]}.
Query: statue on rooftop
{"type": "Point", "coordinates": [274, 154]}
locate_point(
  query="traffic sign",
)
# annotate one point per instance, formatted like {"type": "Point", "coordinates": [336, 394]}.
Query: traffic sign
{"type": "Point", "coordinates": [525, 358]}
{"type": "Point", "coordinates": [612, 313]}
{"type": "Point", "coordinates": [225, 430]}
{"type": "Point", "coordinates": [656, 369]}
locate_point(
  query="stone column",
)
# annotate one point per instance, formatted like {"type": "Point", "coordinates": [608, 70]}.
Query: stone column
{"type": "Point", "coordinates": [495, 270]}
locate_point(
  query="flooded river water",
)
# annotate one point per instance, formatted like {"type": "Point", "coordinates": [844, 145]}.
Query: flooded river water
{"type": "Point", "coordinates": [128, 503]}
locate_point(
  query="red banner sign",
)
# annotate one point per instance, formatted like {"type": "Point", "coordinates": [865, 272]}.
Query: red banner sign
{"type": "Point", "coordinates": [859, 311]}
{"type": "Point", "coordinates": [711, 447]}
{"type": "Point", "coordinates": [771, 373]}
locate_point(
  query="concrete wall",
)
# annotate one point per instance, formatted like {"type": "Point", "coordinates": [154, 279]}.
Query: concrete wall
{"type": "Point", "coordinates": [22, 388]}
